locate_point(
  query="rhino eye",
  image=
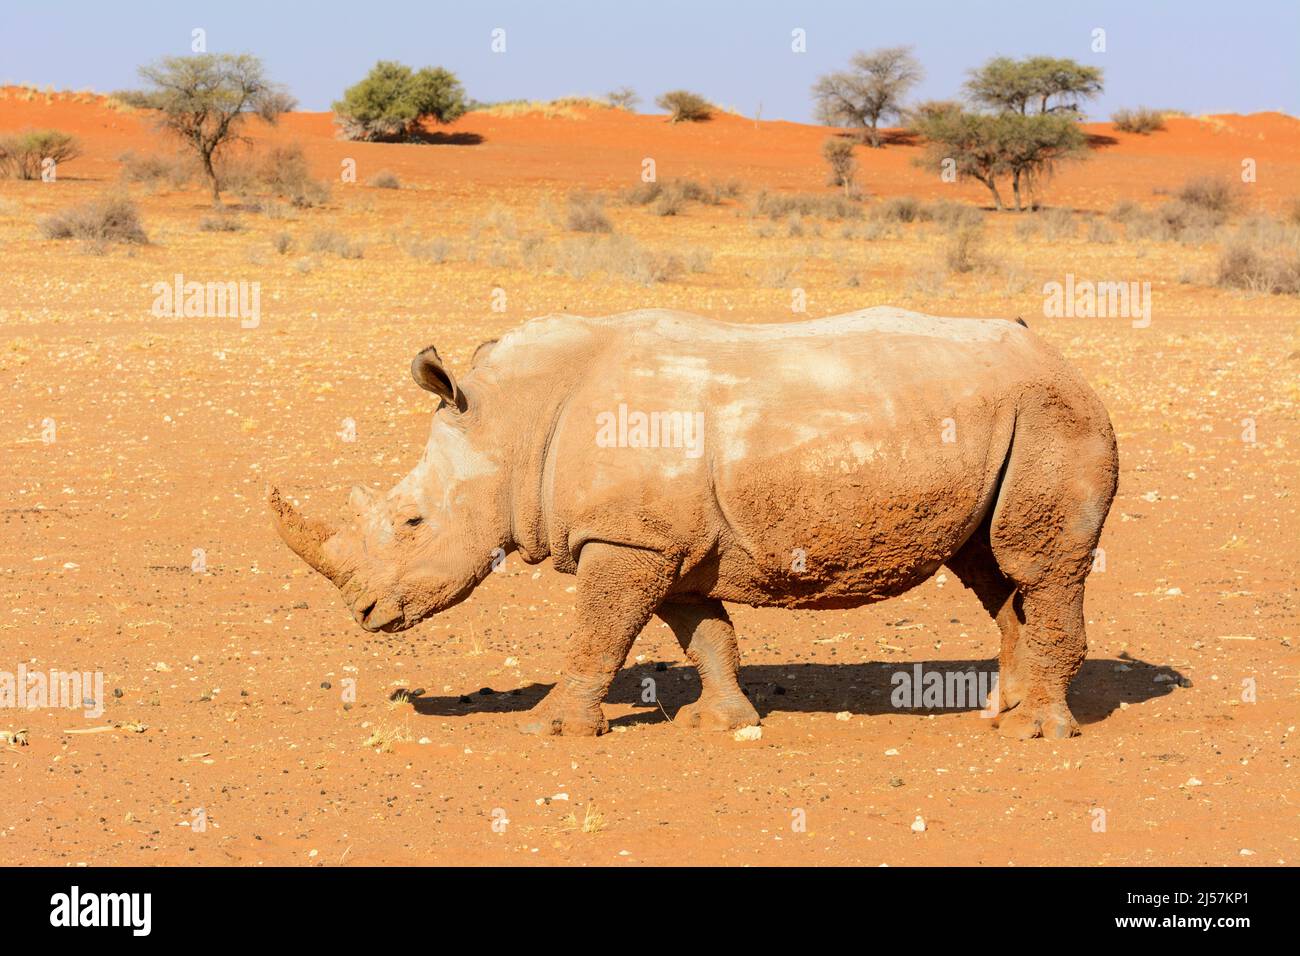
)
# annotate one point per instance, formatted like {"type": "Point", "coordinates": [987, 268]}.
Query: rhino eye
{"type": "Point", "coordinates": [414, 522]}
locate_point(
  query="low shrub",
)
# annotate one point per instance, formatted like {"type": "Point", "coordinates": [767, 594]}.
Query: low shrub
{"type": "Point", "coordinates": [110, 218]}
{"type": "Point", "coordinates": [23, 155]}
{"type": "Point", "coordinates": [685, 107]}
{"type": "Point", "coordinates": [1140, 120]}
{"type": "Point", "coordinates": [586, 213]}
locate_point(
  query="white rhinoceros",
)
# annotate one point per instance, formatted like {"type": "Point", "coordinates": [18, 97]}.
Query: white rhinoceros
{"type": "Point", "coordinates": [674, 463]}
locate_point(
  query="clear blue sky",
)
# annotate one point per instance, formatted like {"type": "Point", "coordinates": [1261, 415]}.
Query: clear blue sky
{"type": "Point", "coordinates": [1202, 57]}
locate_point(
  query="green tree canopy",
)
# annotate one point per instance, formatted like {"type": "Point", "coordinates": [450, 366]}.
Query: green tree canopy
{"type": "Point", "coordinates": [987, 147]}
{"type": "Point", "coordinates": [392, 99]}
{"type": "Point", "coordinates": [1038, 83]}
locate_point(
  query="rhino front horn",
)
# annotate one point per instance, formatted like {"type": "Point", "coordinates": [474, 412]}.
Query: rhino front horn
{"type": "Point", "coordinates": [304, 535]}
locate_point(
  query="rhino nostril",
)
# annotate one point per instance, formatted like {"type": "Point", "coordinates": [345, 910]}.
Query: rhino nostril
{"type": "Point", "coordinates": [365, 612]}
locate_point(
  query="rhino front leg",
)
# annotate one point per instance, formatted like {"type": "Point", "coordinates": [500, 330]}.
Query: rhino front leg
{"type": "Point", "coordinates": [704, 630]}
{"type": "Point", "coordinates": [619, 588]}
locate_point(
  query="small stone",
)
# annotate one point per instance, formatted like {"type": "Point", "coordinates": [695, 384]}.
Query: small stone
{"type": "Point", "coordinates": [918, 825]}
{"type": "Point", "coordinates": [844, 715]}
{"type": "Point", "coordinates": [748, 733]}
{"type": "Point", "coordinates": [895, 781]}
{"type": "Point", "coordinates": [485, 691]}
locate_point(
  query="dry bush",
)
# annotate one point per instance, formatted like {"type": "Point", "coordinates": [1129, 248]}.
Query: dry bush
{"type": "Point", "coordinates": [778, 206]}
{"type": "Point", "coordinates": [685, 107]}
{"type": "Point", "coordinates": [332, 241]}
{"type": "Point", "coordinates": [22, 154]}
{"type": "Point", "coordinates": [1173, 221]}
{"type": "Point", "coordinates": [220, 223]}
{"type": "Point", "coordinates": [133, 99]}
{"type": "Point", "coordinates": [384, 179]}
{"type": "Point", "coordinates": [642, 194]}
{"type": "Point", "coordinates": [110, 218]}
{"type": "Point", "coordinates": [616, 256]}
{"type": "Point", "coordinates": [430, 250]}
{"type": "Point", "coordinates": [838, 154]}
{"type": "Point", "coordinates": [962, 253]}
{"type": "Point", "coordinates": [1292, 212]}
{"type": "Point", "coordinates": [777, 275]}
{"type": "Point", "coordinates": [282, 243]}
{"type": "Point", "coordinates": [566, 107]}
{"type": "Point", "coordinates": [671, 196]}
{"type": "Point", "coordinates": [1058, 224]}
{"type": "Point", "coordinates": [1140, 120]}
{"type": "Point", "coordinates": [1263, 255]}
{"type": "Point", "coordinates": [949, 213]}
{"type": "Point", "coordinates": [498, 219]}
{"type": "Point", "coordinates": [284, 171]}
{"type": "Point", "coordinates": [874, 229]}
{"type": "Point", "coordinates": [586, 213]}
{"type": "Point", "coordinates": [1210, 193]}
{"type": "Point", "coordinates": [929, 280]}
{"type": "Point", "coordinates": [1100, 231]}
{"type": "Point", "coordinates": [1190, 222]}
{"type": "Point", "coordinates": [623, 98]}
{"type": "Point", "coordinates": [1125, 211]}
{"type": "Point", "coordinates": [175, 172]}
{"type": "Point", "coordinates": [899, 209]}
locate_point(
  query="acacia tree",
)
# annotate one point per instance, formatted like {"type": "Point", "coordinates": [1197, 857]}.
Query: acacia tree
{"type": "Point", "coordinates": [871, 89]}
{"type": "Point", "coordinates": [205, 99]}
{"type": "Point", "coordinates": [988, 146]}
{"type": "Point", "coordinates": [392, 99]}
{"type": "Point", "coordinates": [1035, 145]}
{"type": "Point", "coordinates": [1015, 86]}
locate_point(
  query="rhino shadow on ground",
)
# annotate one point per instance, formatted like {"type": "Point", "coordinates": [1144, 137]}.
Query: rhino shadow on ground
{"type": "Point", "coordinates": [864, 689]}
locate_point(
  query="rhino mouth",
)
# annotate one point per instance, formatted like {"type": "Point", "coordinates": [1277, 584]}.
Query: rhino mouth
{"type": "Point", "coordinates": [376, 618]}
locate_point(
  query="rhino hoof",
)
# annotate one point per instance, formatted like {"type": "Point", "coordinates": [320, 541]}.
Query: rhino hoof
{"type": "Point", "coordinates": [717, 715]}
{"type": "Point", "coordinates": [551, 724]}
{"type": "Point", "coordinates": [1052, 723]}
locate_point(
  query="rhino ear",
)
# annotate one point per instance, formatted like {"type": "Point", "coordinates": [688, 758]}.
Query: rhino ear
{"type": "Point", "coordinates": [432, 376]}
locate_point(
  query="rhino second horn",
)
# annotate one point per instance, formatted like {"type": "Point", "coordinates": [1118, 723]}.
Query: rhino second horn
{"type": "Point", "coordinates": [304, 535]}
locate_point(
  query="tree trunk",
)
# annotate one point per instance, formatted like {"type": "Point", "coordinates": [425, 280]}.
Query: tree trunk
{"type": "Point", "coordinates": [1015, 188]}
{"type": "Point", "coordinates": [210, 171]}
{"type": "Point", "coordinates": [875, 135]}
{"type": "Point", "coordinates": [992, 184]}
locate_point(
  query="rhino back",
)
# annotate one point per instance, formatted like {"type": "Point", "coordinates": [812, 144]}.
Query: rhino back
{"type": "Point", "coordinates": [746, 445]}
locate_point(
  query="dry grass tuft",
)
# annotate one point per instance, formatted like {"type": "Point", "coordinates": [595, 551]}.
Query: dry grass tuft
{"type": "Point", "coordinates": [111, 218]}
{"type": "Point", "coordinates": [586, 213]}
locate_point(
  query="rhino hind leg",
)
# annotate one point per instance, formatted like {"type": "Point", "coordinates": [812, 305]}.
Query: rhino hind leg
{"type": "Point", "coordinates": [618, 590]}
{"type": "Point", "coordinates": [705, 633]}
{"type": "Point", "coordinates": [1052, 650]}
{"type": "Point", "coordinates": [1054, 496]}
{"type": "Point", "coordinates": [977, 568]}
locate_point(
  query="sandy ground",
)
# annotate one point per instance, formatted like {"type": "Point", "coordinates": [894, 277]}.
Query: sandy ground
{"type": "Point", "coordinates": [241, 743]}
